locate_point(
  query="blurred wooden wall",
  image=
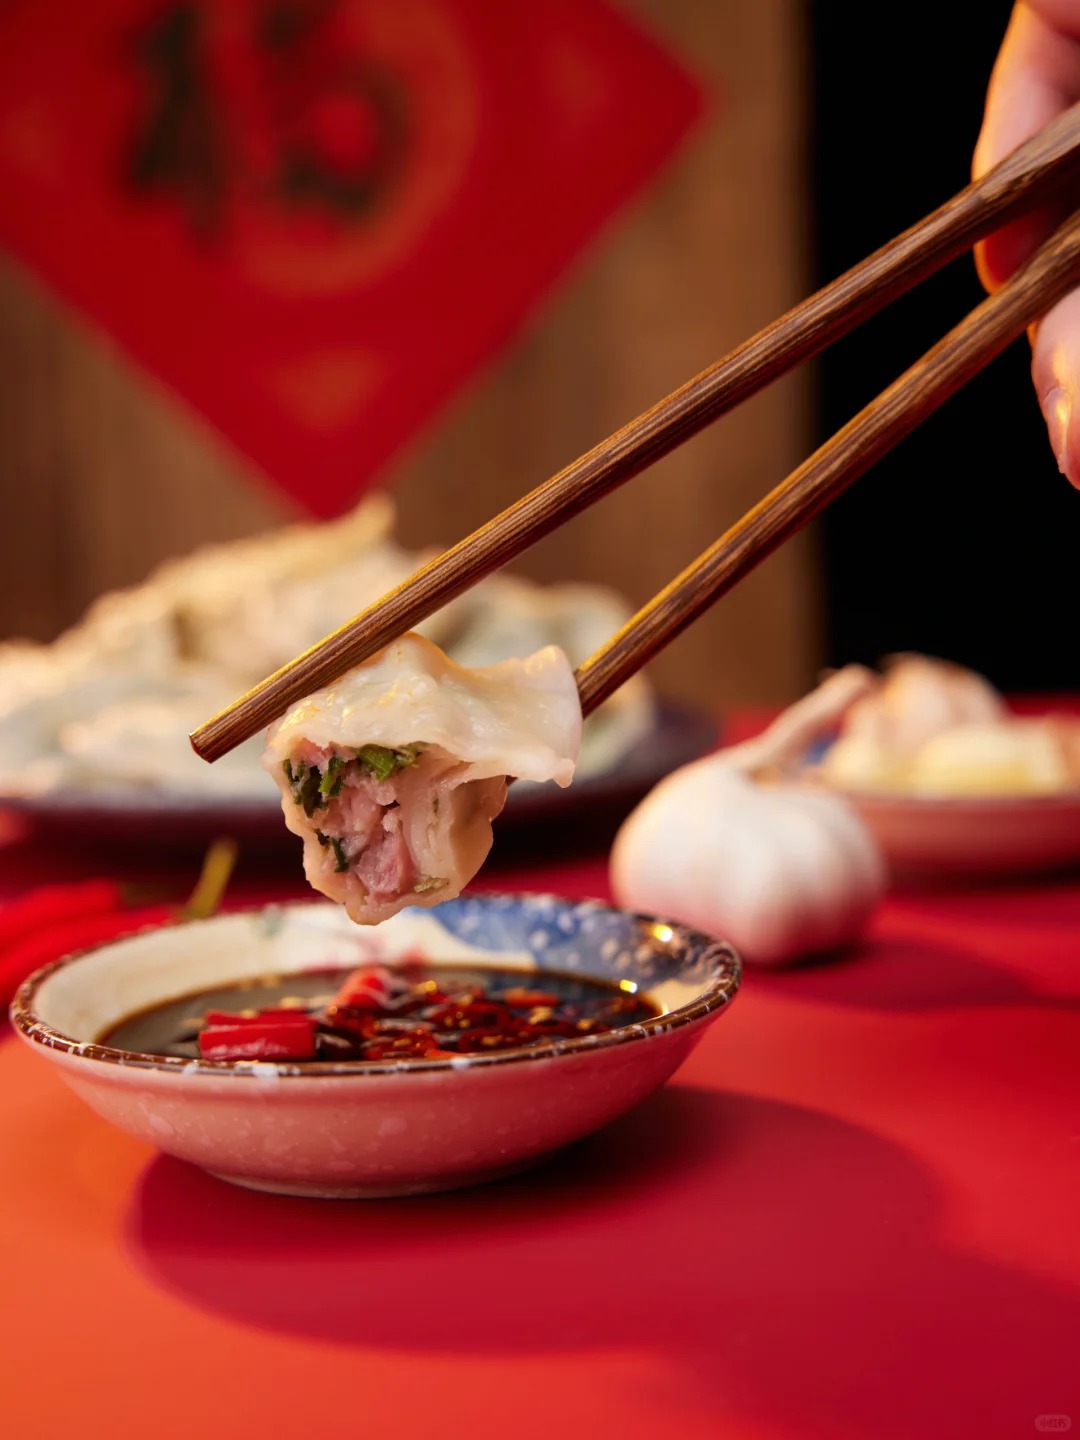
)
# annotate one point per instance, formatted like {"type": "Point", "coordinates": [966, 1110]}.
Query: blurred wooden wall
{"type": "Point", "coordinates": [103, 474]}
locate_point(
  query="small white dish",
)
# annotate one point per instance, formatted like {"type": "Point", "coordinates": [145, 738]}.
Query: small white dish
{"type": "Point", "coordinates": [971, 837]}
{"type": "Point", "coordinates": [362, 1128]}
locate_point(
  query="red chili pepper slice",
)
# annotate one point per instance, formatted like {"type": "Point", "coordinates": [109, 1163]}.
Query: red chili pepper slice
{"type": "Point", "coordinates": [356, 1023]}
{"type": "Point", "coordinates": [391, 1029]}
{"type": "Point", "coordinates": [420, 999]}
{"type": "Point", "coordinates": [475, 1042]}
{"type": "Point", "coordinates": [291, 1039]}
{"type": "Point", "coordinates": [528, 999]}
{"type": "Point", "coordinates": [548, 1029]}
{"type": "Point", "coordinates": [401, 1045]}
{"type": "Point", "coordinates": [366, 989]}
{"type": "Point", "coordinates": [469, 1015]}
{"type": "Point", "coordinates": [234, 1017]}
{"type": "Point", "coordinates": [396, 1049]}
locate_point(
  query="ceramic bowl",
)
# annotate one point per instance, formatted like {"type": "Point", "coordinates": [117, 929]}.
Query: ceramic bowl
{"type": "Point", "coordinates": [973, 837]}
{"type": "Point", "coordinates": [366, 1129]}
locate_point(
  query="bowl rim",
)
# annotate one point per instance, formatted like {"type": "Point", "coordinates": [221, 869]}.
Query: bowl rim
{"type": "Point", "coordinates": [1042, 801]}
{"type": "Point", "coordinates": [714, 998]}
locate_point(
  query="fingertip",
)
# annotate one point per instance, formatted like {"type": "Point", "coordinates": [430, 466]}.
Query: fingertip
{"type": "Point", "coordinates": [987, 266]}
{"type": "Point", "coordinates": [1057, 407]}
{"type": "Point", "coordinates": [987, 151]}
{"type": "Point", "coordinates": [1068, 457]}
{"type": "Point", "coordinates": [1055, 370]}
{"type": "Point", "coordinates": [1000, 254]}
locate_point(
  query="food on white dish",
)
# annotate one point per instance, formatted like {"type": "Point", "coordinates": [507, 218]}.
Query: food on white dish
{"type": "Point", "coordinates": [733, 846]}
{"type": "Point", "coordinates": [130, 739]}
{"type": "Point", "coordinates": [930, 728]}
{"type": "Point", "coordinates": [393, 775]}
{"type": "Point", "coordinates": [107, 707]}
{"type": "Point", "coordinates": [1008, 757]}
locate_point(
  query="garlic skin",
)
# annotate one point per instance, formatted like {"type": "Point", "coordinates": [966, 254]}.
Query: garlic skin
{"type": "Point", "coordinates": [780, 870]}
{"type": "Point", "coordinates": [780, 873]}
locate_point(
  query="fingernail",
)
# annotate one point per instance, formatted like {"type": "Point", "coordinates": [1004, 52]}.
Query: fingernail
{"type": "Point", "coordinates": [1057, 411]}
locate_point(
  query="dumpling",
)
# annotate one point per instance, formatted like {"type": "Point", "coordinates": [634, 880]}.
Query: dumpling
{"type": "Point", "coordinates": [143, 743]}
{"type": "Point", "coordinates": [1006, 757]}
{"type": "Point", "coordinates": [918, 699]}
{"type": "Point", "coordinates": [393, 775]}
{"type": "Point", "coordinates": [513, 616]}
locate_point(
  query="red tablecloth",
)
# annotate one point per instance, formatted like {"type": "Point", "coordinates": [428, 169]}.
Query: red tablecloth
{"type": "Point", "coordinates": [853, 1214]}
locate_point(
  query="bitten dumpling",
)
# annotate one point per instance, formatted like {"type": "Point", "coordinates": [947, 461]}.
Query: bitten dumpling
{"type": "Point", "coordinates": [393, 775]}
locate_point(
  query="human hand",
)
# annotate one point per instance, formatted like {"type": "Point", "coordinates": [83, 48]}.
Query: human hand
{"type": "Point", "coordinates": [1036, 77]}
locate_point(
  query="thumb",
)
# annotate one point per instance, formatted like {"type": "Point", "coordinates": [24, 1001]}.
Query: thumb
{"type": "Point", "coordinates": [1055, 370]}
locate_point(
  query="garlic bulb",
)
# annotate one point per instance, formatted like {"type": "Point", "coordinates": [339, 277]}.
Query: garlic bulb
{"type": "Point", "coordinates": [779, 869]}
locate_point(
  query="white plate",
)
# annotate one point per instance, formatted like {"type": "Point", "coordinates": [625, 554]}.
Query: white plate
{"type": "Point", "coordinates": [590, 809]}
{"type": "Point", "coordinates": [983, 836]}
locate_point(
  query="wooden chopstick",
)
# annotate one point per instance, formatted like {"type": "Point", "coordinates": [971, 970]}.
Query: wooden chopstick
{"type": "Point", "coordinates": [1027, 178]}
{"type": "Point", "coordinates": [989, 329]}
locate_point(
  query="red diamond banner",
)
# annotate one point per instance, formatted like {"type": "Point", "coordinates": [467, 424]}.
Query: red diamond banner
{"type": "Point", "coordinates": [313, 219]}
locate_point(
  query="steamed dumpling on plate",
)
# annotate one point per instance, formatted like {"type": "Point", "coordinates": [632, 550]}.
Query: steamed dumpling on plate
{"type": "Point", "coordinates": [1010, 757]}
{"type": "Point", "coordinates": [917, 699]}
{"type": "Point", "coordinates": [92, 710]}
{"type": "Point", "coordinates": [934, 729]}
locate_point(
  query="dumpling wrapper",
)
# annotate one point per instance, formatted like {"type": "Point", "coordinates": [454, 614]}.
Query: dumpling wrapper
{"type": "Point", "coordinates": [513, 616]}
{"type": "Point", "coordinates": [393, 775]}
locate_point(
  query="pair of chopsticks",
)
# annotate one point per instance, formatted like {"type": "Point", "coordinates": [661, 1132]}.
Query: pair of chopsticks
{"type": "Point", "coordinates": [1039, 173]}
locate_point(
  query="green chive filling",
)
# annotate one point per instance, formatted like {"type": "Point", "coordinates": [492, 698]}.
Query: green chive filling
{"type": "Point", "coordinates": [382, 762]}
{"type": "Point", "coordinates": [338, 848]}
{"type": "Point", "coordinates": [305, 785]}
{"type": "Point", "coordinates": [313, 789]}
{"type": "Point", "coordinates": [334, 779]}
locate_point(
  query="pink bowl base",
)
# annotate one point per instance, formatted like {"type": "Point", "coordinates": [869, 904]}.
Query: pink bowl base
{"type": "Point", "coordinates": [403, 1133]}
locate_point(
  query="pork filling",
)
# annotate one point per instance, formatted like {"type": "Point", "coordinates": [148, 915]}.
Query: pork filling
{"type": "Point", "coordinates": [352, 802]}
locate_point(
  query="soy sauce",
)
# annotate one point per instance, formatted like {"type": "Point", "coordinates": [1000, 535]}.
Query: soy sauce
{"type": "Point", "coordinates": [381, 1014]}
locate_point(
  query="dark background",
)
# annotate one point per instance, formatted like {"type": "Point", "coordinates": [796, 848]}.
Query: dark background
{"type": "Point", "coordinates": [963, 542]}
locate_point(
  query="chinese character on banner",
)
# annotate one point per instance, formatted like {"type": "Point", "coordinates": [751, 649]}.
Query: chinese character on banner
{"type": "Point", "coordinates": [314, 218]}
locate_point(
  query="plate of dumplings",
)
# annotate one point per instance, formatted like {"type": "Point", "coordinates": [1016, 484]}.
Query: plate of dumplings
{"type": "Point", "coordinates": [950, 779]}
{"type": "Point", "coordinates": [94, 725]}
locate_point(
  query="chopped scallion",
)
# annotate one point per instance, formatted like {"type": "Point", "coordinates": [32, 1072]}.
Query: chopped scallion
{"type": "Point", "coordinates": [334, 778]}
{"type": "Point", "coordinates": [383, 762]}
